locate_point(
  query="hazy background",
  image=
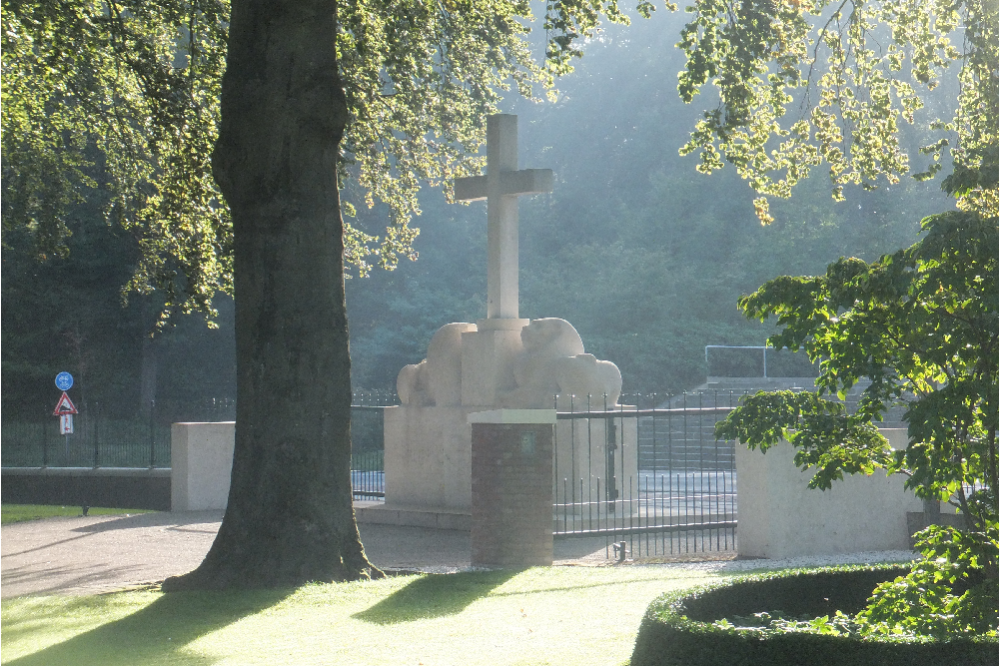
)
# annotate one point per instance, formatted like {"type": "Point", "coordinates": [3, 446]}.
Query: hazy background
{"type": "Point", "coordinates": [645, 256]}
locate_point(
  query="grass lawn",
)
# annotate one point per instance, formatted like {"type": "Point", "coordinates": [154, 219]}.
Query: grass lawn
{"type": "Point", "coordinates": [560, 615]}
{"type": "Point", "coordinates": [16, 513]}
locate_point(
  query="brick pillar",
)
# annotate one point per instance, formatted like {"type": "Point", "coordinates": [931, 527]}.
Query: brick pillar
{"type": "Point", "coordinates": [512, 487]}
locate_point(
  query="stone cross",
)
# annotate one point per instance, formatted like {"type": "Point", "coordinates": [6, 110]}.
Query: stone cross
{"type": "Point", "coordinates": [501, 186]}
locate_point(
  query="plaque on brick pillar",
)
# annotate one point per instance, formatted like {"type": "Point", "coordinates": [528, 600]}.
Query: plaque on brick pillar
{"type": "Point", "coordinates": [512, 487]}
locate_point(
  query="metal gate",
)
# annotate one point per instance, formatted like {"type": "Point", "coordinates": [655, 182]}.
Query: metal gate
{"type": "Point", "coordinates": [651, 478]}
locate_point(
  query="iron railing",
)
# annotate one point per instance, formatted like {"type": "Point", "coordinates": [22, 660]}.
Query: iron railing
{"type": "Point", "coordinates": [104, 439]}
{"type": "Point", "coordinates": [367, 443]}
{"type": "Point", "coordinates": [650, 476]}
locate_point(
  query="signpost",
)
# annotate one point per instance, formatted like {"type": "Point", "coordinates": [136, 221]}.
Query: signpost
{"type": "Point", "coordinates": [65, 409]}
{"type": "Point", "coordinates": [64, 406]}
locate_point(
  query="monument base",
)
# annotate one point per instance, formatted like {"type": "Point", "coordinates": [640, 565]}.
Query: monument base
{"type": "Point", "coordinates": [413, 516]}
{"type": "Point", "coordinates": [428, 466]}
{"type": "Point", "coordinates": [428, 458]}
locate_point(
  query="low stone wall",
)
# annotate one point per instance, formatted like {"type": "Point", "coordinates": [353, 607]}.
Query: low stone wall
{"type": "Point", "coordinates": [780, 516]}
{"type": "Point", "coordinates": [202, 459]}
{"type": "Point", "coordinates": [116, 487]}
{"type": "Point", "coordinates": [202, 463]}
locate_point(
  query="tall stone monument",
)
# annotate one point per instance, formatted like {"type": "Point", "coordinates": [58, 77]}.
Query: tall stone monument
{"type": "Point", "coordinates": [500, 362]}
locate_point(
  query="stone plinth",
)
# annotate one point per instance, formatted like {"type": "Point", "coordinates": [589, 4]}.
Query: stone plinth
{"type": "Point", "coordinates": [488, 355]}
{"type": "Point", "coordinates": [511, 364]}
{"type": "Point", "coordinates": [779, 516]}
{"type": "Point", "coordinates": [512, 487]}
{"type": "Point", "coordinates": [428, 457]}
{"type": "Point", "coordinates": [201, 460]}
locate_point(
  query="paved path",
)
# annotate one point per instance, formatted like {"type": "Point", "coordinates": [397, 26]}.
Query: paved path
{"type": "Point", "coordinates": [94, 554]}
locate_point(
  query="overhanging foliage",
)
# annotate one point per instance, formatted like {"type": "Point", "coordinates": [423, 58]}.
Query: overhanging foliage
{"type": "Point", "coordinates": [804, 83]}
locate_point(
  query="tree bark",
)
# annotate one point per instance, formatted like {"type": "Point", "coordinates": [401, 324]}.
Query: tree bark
{"type": "Point", "coordinates": [290, 517]}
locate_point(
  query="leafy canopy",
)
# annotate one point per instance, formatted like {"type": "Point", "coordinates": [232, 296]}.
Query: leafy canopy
{"type": "Point", "coordinates": [121, 96]}
{"type": "Point", "coordinates": [803, 83]}
{"type": "Point", "coordinates": [124, 96]}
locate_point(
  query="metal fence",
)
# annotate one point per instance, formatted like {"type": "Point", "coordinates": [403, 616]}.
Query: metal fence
{"type": "Point", "coordinates": [102, 438]}
{"type": "Point", "coordinates": [367, 443]}
{"type": "Point", "coordinates": [649, 476]}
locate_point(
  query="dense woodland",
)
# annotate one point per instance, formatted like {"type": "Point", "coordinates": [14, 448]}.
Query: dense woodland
{"type": "Point", "coordinates": [645, 256]}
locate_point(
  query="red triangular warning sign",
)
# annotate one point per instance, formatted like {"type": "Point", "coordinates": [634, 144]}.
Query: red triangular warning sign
{"type": "Point", "coordinates": [64, 406]}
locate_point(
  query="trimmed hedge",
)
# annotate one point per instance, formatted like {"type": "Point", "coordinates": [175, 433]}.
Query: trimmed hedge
{"type": "Point", "coordinates": [678, 627]}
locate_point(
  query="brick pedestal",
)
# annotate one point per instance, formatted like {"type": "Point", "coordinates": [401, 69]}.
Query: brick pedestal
{"type": "Point", "coordinates": [512, 487]}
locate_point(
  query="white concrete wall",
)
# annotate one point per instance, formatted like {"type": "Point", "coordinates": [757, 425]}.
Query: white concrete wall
{"type": "Point", "coordinates": [780, 516]}
{"type": "Point", "coordinates": [428, 457]}
{"type": "Point", "coordinates": [201, 458]}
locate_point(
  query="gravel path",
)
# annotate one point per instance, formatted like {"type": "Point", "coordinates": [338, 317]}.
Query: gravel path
{"type": "Point", "coordinates": [95, 554]}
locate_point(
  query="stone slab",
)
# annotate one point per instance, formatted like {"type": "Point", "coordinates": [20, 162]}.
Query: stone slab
{"type": "Point", "coordinates": [547, 416]}
{"type": "Point", "coordinates": [428, 457]}
{"type": "Point", "coordinates": [201, 457]}
{"type": "Point", "coordinates": [434, 518]}
{"type": "Point", "coordinates": [779, 516]}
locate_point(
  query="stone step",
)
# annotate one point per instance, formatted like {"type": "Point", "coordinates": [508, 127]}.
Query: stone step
{"type": "Point", "coordinates": [441, 518]}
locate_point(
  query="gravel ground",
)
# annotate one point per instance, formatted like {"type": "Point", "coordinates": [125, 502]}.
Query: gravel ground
{"type": "Point", "coordinates": [96, 554]}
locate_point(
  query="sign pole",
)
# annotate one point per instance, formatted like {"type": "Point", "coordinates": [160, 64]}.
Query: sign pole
{"type": "Point", "coordinates": [65, 409]}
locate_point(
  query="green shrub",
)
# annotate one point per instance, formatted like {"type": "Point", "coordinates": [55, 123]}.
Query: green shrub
{"type": "Point", "coordinates": [784, 619]}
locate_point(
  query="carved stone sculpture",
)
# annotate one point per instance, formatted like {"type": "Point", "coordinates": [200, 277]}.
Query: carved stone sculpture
{"type": "Point", "coordinates": [586, 378]}
{"type": "Point", "coordinates": [553, 362]}
{"type": "Point", "coordinates": [437, 380]}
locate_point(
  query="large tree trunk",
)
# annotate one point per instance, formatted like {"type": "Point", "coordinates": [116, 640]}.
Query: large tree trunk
{"type": "Point", "coordinates": [290, 517]}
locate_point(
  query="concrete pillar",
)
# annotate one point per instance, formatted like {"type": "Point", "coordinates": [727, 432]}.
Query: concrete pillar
{"type": "Point", "coordinates": [488, 359]}
{"type": "Point", "coordinates": [201, 460]}
{"type": "Point", "coordinates": [512, 487]}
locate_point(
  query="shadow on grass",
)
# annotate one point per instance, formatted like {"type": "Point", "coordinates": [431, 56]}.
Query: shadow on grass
{"type": "Point", "coordinates": [158, 633]}
{"type": "Point", "coordinates": [435, 595]}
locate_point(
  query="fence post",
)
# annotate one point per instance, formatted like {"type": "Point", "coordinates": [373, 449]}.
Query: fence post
{"type": "Point", "coordinates": [96, 439]}
{"type": "Point", "coordinates": [152, 434]}
{"type": "Point", "coordinates": [45, 445]}
{"type": "Point", "coordinates": [610, 444]}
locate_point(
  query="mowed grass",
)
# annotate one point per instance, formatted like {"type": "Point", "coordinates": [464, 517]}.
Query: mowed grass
{"type": "Point", "coordinates": [16, 513]}
{"type": "Point", "coordinates": [559, 615]}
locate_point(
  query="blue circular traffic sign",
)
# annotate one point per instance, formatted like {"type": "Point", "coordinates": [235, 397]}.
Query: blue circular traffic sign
{"type": "Point", "coordinates": [64, 381]}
